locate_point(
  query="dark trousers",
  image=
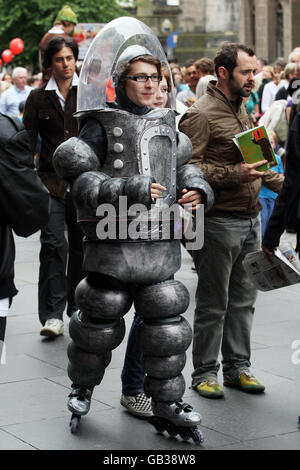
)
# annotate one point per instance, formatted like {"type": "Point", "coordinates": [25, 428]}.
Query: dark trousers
{"type": "Point", "coordinates": [56, 254]}
{"type": "Point", "coordinates": [2, 330]}
{"type": "Point", "coordinates": [133, 373]}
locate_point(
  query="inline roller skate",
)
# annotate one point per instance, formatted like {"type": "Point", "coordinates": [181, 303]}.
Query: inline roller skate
{"type": "Point", "coordinates": [177, 419]}
{"type": "Point", "coordinates": [79, 404]}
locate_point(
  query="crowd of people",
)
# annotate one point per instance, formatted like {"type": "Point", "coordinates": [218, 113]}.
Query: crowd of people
{"type": "Point", "coordinates": [215, 100]}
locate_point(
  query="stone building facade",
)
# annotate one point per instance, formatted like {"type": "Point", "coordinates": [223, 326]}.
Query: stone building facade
{"type": "Point", "coordinates": [270, 26]}
{"type": "Point", "coordinates": [202, 24]}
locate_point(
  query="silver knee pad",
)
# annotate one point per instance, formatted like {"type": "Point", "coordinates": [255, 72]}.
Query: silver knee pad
{"type": "Point", "coordinates": [102, 303]}
{"type": "Point", "coordinates": [84, 368]}
{"type": "Point", "coordinates": [168, 390]}
{"type": "Point", "coordinates": [163, 344]}
{"type": "Point", "coordinates": [164, 367]}
{"type": "Point", "coordinates": [98, 338]}
{"type": "Point", "coordinates": [163, 300]}
{"type": "Point", "coordinates": [164, 338]}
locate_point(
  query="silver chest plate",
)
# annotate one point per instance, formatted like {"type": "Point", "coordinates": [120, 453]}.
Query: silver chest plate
{"type": "Point", "coordinates": [157, 157]}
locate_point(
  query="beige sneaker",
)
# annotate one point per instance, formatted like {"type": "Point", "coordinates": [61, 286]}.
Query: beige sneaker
{"type": "Point", "coordinates": [53, 327]}
{"type": "Point", "coordinates": [138, 405]}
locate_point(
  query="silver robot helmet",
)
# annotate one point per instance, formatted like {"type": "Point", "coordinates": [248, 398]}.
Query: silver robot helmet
{"type": "Point", "coordinates": [128, 55]}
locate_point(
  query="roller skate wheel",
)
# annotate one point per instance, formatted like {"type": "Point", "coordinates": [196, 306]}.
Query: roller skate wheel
{"type": "Point", "coordinates": [74, 424]}
{"type": "Point", "coordinates": [197, 436]}
{"type": "Point", "coordinates": [158, 424]}
{"type": "Point", "coordinates": [172, 434]}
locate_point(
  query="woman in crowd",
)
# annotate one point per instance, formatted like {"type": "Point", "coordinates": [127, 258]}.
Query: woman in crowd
{"type": "Point", "coordinates": [178, 78]}
{"type": "Point", "coordinates": [271, 88]}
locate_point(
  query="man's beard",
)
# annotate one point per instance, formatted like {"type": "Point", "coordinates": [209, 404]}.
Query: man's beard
{"type": "Point", "coordinates": [236, 90]}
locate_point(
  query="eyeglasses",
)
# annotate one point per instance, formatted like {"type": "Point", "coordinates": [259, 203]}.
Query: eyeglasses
{"type": "Point", "coordinates": [144, 78]}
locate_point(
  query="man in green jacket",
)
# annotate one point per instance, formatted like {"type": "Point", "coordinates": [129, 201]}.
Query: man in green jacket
{"type": "Point", "coordinates": [225, 296]}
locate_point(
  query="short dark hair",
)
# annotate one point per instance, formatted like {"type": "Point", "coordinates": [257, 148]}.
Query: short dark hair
{"type": "Point", "coordinates": [165, 72]}
{"type": "Point", "coordinates": [21, 106]}
{"type": "Point", "coordinates": [227, 56]}
{"type": "Point", "coordinates": [262, 60]}
{"type": "Point", "coordinates": [205, 65]}
{"type": "Point", "coordinates": [148, 59]}
{"type": "Point", "coordinates": [30, 81]}
{"type": "Point", "coordinates": [189, 63]}
{"type": "Point", "coordinates": [54, 46]}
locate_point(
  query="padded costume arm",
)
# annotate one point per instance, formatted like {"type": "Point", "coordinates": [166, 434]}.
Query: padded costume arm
{"type": "Point", "coordinates": [191, 177]}
{"type": "Point", "coordinates": [80, 159]}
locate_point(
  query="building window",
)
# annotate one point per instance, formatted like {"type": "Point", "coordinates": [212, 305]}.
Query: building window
{"type": "Point", "coordinates": [279, 32]}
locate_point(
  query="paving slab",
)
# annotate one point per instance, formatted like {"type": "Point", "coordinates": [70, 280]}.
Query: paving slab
{"type": "Point", "coordinates": [289, 441]}
{"type": "Point", "coordinates": [34, 400]}
{"type": "Point", "coordinates": [20, 367]}
{"type": "Point", "coordinates": [34, 384]}
{"type": "Point", "coordinates": [107, 430]}
{"type": "Point", "coordinates": [10, 442]}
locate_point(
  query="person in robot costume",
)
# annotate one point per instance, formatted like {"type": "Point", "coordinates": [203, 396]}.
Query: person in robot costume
{"type": "Point", "coordinates": [106, 162]}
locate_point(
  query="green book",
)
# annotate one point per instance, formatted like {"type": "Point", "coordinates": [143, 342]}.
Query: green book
{"type": "Point", "coordinates": [254, 145]}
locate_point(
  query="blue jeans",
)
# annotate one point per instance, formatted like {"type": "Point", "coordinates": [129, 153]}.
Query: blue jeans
{"type": "Point", "coordinates": [133, 374]}
{"type": "Point", "coordinates": [224, 297]}
{"type": "Point", "coordinates": [266, 212]}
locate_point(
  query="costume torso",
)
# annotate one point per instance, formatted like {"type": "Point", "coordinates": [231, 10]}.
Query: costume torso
{"type": "Point", "coordinates": [136, 145]}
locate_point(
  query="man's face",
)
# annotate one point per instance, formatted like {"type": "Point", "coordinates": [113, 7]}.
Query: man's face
{"type": "Point", "coordinates": [259, 66]}
{"type": "Point", "coordinates": [20, 81]}
{"type": "Point", "coordinates": [277, 74]}
{"type": "Point", "coordinates": [63, 64]}
{"type": "Point", "coordinates": [192, 76]}
{"type": "Point", "coordinates": [141, 93]}
{"type": "Point", "coordinates": [242, 80]}
{"type": "Point", "coordinates": [295, 57]}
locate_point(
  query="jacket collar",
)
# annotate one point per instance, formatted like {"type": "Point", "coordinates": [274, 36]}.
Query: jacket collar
{"type": "Point", "coordinates": [52, 85]}
{"type": "Point", "coordinates": [213, 90]}
{"type": "Point", "coordinates": [53, 96]}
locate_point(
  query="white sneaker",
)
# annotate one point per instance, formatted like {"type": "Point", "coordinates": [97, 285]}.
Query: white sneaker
{"type": "Point", "coordinates": [53, 327]}
{"type": "Point", "coordinates": [138, 405]}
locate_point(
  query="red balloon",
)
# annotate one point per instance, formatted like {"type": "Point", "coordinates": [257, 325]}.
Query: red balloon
{"type": "Point", "coordinates": [7, 55]}
{"type": "Point", "coordinates": [16, 46]}
{"type": "Point", "coordinates": [1, 62]}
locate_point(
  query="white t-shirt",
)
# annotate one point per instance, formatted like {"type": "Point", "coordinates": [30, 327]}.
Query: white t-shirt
{"type": "Point", "coordinates": [268, 96]}
{"type": "Point", "coordinates": [4, 307]}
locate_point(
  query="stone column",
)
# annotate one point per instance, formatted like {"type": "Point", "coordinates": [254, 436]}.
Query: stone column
{"type": "Point", "coordinates": [246, 23]}
{"type": "Point", "coordinates": [192, 16]}
{"type": "Point", "coordinates": [295, 20]}
{"type": "Point", "coordinates": [262, 28]}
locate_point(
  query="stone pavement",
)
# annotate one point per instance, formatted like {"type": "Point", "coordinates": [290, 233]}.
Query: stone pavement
{"type": "Point", "coordinates": [34, 384]}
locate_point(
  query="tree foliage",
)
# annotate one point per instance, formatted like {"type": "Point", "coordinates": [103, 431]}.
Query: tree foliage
{"type": "Point", "coordinates": [31, 19]}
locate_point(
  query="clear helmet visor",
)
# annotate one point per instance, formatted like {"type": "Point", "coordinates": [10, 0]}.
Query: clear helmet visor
{"type": "Point", "coordinates": [119, 41]}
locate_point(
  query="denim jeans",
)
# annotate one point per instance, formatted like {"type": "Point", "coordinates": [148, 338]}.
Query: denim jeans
{"type": "Point", "coordinates": [133, 374]}
{"type": "Point", "coordinates": [224, 297]}
{"type": "Point", "coordinates": [266, 212]}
